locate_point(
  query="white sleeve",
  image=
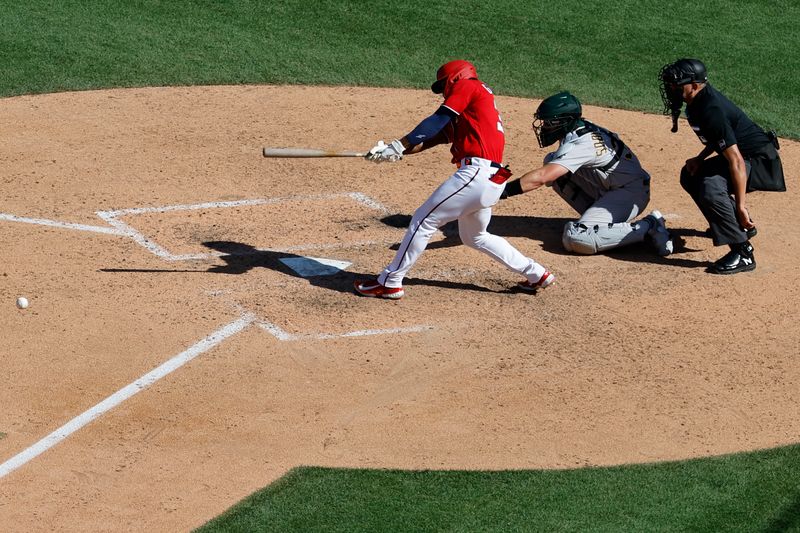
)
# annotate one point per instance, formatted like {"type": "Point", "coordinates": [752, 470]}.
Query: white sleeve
{"type": "Point", "coordinates": [574, 153]}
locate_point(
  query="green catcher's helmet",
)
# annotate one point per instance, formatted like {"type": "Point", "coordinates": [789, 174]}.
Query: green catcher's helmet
{"type": "Point", "coordinates": [556, 116]}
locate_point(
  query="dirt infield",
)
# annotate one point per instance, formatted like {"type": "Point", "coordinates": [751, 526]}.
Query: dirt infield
{"type": "Point", "coordinates": [144, 227]}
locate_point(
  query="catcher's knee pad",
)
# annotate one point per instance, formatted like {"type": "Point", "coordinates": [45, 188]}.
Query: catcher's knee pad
{"type": "Point", "coordinates": [579, 238]}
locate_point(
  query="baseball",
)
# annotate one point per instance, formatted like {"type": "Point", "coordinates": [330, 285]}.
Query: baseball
{"type": "Point", "coordinates": [22, 302]}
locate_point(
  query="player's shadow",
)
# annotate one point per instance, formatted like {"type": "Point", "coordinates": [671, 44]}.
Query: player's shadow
{"type": "Point", "coordinates": [644, 253]}
{"type": "Point", "coordinates": [240, 258]}
{"type": "Point", "coordinates": [548, 231]}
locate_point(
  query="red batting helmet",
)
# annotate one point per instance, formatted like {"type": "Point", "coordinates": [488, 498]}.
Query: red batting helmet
{"type": "Point", "coordinates": [451, 72]}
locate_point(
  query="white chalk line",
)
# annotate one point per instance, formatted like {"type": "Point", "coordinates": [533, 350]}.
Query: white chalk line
{"type": "Point", "coordinates": [143, 241]}
{"type": "Point", "coordinates": [186, 207]}
{"type": "Point", "coordinates": [112, 218]}
{"type": "Point", "coordinates": [282, 335]}
{"type": "Point", "coordinates": [125, 393]}
{"type": "Point", "coordinates": [170, 366]}
{"type": "Point", "coordinates": [57, 224]}
{"type": "Point", "coordinates": [122, 229]}
{"type": "Point", "coordinates": [155, 249]}
{"type": "Point", "coordinates": [357, 196]}
{"type": "Point", "coordinates": [367, 201]}
{"type": "Point", "coordinates": [366, 333]}
{"type": "Point", "coordinates": [276, 331]}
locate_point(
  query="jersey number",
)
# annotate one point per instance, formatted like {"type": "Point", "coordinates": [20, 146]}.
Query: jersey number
{"type": "Point", "coordinates": [499, 120]}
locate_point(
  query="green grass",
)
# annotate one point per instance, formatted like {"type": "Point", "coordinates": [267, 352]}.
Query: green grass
{"type": "Point", "coordinates": [607, 53]}
{"type": "Point", "coordinates": [746, 492]}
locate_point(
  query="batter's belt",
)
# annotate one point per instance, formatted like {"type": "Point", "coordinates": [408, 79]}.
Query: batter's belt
{"type": "Point", "coordinates": [478, 161]}
{"type": "Point", "coordinates": [499, 177]}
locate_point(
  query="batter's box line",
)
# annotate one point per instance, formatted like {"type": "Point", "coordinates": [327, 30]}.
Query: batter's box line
{"type": "Point", "coordinates": [121, 228]}
{"type": "Point", "coordinates": [126, 392]}
{"type": "Point", "coordinates": [206, 344]}
{"type": "Point", "coordinates": [62, 225]}
{"type": "Point", "coordinates": [282, 335]}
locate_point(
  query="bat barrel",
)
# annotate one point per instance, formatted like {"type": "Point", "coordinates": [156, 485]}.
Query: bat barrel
{"type": "Point", "coordinates": [308, 152]}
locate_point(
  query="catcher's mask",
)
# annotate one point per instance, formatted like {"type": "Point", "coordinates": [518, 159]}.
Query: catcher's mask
{"type": "Point", "coordinates": [449, 73]}
{"type": "Point", "coordinates": [673, 77]}
{"type": "Point", "coordinates": [556, 116]}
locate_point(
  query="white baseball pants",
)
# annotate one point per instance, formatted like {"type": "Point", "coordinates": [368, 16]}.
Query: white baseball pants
{"type": "Point", "coordinates": [605, 223]}
{"type": "Point", "coordinates": [468, 196]}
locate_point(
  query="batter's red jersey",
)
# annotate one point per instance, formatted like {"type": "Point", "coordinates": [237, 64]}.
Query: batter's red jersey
{"type": "Point", "coordinates": [478, 128]}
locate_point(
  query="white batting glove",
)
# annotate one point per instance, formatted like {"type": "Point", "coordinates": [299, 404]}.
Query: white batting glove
{"type": "Point", "coordinates": [382, 152]}
{"type": "Point", "coordinates": [374, 152]}
{"type": "Point", "coordinates": [393, 152]}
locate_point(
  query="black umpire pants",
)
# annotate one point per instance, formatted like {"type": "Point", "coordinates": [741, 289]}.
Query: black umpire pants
{"type": "Point", "coordinates": [711, 188]}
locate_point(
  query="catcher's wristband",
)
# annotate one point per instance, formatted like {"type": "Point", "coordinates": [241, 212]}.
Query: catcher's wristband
{"type": "Point", "coordinates": [513, 188]}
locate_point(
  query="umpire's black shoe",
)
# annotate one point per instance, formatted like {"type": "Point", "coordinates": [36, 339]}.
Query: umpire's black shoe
{"type": "Point", "coordinates": [739, 259]}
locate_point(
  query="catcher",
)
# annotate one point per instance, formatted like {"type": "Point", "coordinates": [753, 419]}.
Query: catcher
{"type": "Point", "coordinates": [596, 174]}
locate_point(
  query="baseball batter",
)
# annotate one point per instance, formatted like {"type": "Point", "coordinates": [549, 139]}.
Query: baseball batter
{"type": "Point", "coordinates": [468, 120]}
{"type": "Point", "coordinates": [598, 175]}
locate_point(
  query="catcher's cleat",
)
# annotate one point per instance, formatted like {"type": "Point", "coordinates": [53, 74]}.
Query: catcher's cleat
{"type": "Point", "coordinates": [545, 281]}
{"type": "Point", "coordinates": [661, 238]}
{"type": "Point", "coordinates": [373, 289]}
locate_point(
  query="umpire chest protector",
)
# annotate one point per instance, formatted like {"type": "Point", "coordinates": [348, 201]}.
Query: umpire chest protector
{"type": "Point", "coordinates": [719, 124]}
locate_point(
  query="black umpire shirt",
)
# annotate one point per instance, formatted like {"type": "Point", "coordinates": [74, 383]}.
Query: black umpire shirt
{"type": "Point", "coordinates": [719, 123]}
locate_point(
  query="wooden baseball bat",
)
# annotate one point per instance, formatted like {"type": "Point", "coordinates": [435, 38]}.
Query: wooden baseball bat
{"type": "Point", "coordinates": [309, 152]}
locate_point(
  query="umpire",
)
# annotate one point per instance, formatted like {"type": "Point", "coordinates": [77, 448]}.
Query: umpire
{"type": "Point", "coordinates": [746, 159]}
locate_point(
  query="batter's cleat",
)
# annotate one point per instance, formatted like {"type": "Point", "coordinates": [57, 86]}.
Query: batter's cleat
{"type": "Point", "coordinates": [659, 236]}
{"type": "Point", "coordinates": [739, 259]}
{"type": "Point", "coordinates": [373, 289]}
{"type": "Point", "coordinates": [545, 281]}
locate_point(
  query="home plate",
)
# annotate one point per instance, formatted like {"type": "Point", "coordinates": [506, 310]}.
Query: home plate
{"type": "Point", "coordinates": [315, 266]}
